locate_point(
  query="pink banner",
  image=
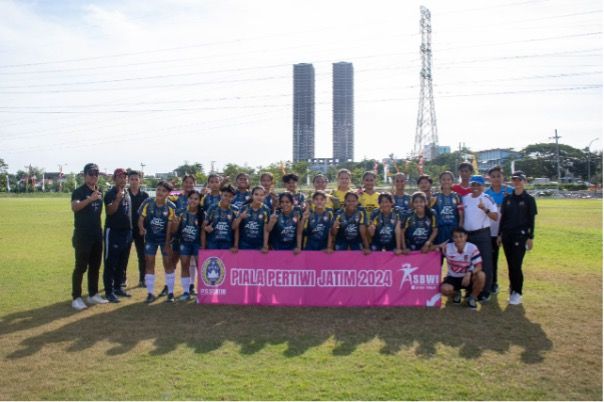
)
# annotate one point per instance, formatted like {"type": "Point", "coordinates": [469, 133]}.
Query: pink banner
{"type": "Point", "coordinates": [314, 278]}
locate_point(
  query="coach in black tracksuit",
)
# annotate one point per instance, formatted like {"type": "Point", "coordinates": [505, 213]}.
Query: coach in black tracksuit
{"type": "Point", "coordinates": [516, 232]}
{"type": "Point", "coordinates": [118, 236]}
{"type": "Point", "coordinates": [87, 204]}
{"type": "Point", "coordinates": [137, 196]}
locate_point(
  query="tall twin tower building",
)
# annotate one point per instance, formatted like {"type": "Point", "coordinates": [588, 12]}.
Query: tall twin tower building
{"type": "Point", "coordinates": [304, 112]}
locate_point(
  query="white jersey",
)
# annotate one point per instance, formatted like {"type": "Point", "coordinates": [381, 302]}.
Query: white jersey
{"type": "Point", "coordinates": [474, 217]}
{"type": "Point", "coordinates": [460, 263]}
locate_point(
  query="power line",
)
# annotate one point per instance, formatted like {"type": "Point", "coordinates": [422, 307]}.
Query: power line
{"type": "Point", "coordinates": [262, 106]}
{"type": "Point", "coordinates": [271, 66]}
{"type": "Point", "coordinates": [214, 82]}
{"type": "Point", "coordinates": [237, 40]}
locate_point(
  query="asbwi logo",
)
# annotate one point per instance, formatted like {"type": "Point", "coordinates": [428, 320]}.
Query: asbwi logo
{"type": "Point", "coordinates": [213, 271]}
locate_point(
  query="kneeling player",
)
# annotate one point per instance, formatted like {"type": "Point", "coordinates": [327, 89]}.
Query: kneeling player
{"type": "Point", "coordinates": [464, 268]}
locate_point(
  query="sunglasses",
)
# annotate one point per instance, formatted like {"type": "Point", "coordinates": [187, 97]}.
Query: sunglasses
{"type": "Point", "coordinates": [93, 173]}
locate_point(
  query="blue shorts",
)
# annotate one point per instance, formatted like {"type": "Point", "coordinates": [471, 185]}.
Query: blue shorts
{"type": "Point", "coordinates": [189, 249]}
{"type": "Point", "coordinates": [343, 246]}
{"type": "Point", "coordinates": [219, 245]}
{"type": "Point", "coordinates": [315, 245]}
{"type": "Point", "coordinates": [244, 245]}
{"type": "Point", "coordinates": [383, 247]}
{"type": "Point", "coordinates": [151, 248]}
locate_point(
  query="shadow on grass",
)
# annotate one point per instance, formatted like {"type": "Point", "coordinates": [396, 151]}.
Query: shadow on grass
{"type": "Point", "coordinates": [207, 328]}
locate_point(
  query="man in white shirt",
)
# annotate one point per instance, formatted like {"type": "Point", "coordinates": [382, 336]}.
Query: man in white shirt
{"type": "Point", "coordinates": [479, 211]}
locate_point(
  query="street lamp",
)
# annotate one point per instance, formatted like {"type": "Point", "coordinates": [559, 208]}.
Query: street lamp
{"type": "Point", "coordinates": [589, 161]}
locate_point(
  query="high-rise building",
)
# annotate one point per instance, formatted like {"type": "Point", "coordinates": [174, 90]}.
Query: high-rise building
{"type": "Point", "coordinates": [343, 112]}
{"type": "Point", "coordinates": [304, 112]}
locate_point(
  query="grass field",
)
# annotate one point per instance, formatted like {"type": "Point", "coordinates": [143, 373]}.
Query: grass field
{"type": "Point", "coordinates": [550, 348]}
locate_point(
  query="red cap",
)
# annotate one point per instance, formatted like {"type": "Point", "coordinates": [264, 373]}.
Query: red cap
{"type": "Point", "coordinates": [119, 171]}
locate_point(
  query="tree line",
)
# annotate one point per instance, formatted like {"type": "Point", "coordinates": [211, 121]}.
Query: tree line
{"type": "Point", "coordinates": [537, 160]}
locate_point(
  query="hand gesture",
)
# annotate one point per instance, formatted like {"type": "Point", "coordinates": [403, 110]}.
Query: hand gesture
{"type": "Point", "coordinates": [96, 195]}
{"type": "Point", "coordinates": [273, 218]}
{"type": "Point", "coordinates": [336, 224]}
{"type": "Point", "coordinates": [120, 194]}
{"type": "Point", "coordinates": [481, 205]}
{"type": "Point", "coordinates": [244, 214]}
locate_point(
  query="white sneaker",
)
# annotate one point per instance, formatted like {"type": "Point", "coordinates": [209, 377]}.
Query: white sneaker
{"type": "Point", "coordinates": [96, 299]}
{"type": "Point", "coordinates": [515, 298]}
{"type": "Point", "coordinates": [78, 304]}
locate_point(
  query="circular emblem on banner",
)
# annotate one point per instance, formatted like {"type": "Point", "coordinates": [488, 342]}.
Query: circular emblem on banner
{"type": "Point", "coordinates": [213, 271]}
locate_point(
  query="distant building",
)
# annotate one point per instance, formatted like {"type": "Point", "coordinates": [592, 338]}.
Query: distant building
{"type": "Point", "coordinates": [432, 151]}
{"type": "Point", "coordinates": [343, 111]}
{"type": "Point", "coordinates": [321, 164]}
{"type": "Point", "coordinates": [164, 176]}
{"type": "Point", "coordinates": [490, 158]}
{"type": "Point", "coordinates": [304, 112]}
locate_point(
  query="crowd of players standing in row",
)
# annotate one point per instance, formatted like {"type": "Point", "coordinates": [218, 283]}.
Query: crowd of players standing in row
{"type": "Point", "coordinates": [462, 220]}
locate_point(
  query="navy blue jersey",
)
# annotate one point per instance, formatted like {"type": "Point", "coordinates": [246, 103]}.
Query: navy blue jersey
{"type": "Point", "coordinates": [317, 230]}
{"type": "Point", "coordinates": [402, 204]}
{"type": "Point", "coordinates": [180, 201]}
{"type": "Point", "coordinates": [447, 209]}
{"type": "Point", "coordinates": [298, 199]}
{"type": "Point", "coordinates": [349, 231]}
{"type": "Point", "coordinates": [251, 229]}
{"type": "Point", "coordinates": [190, 227]}
{"type": "Point", "coordinates": [385, 234]}
{"type": "Point", "coordinates": [157, 219]}
{"type": "Point", "coordinates": [268, 202]}
{"type": "Point", "coordinates": [221, 220]}
{"type": "Point", "coordinates": [283, 235]}
{"type": "Point", "coordinates": [418, 230]}
{"type": "Point", "coordinates": [241, 197]}
{"type": "Point", "coordinates": [209, 200]}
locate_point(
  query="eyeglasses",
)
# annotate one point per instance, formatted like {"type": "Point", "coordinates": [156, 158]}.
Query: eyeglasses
{"type": "Point", "coordinates": [93, 173]}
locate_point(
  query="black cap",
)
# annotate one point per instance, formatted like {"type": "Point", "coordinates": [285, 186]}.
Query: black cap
{"type": "Point", "coordinates": [519, 174]}
{"type": "Point", "coordinates": [90, 167]}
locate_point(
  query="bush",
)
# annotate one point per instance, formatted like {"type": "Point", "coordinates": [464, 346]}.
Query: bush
{"type": "Point", "coordinates": [574, 186]}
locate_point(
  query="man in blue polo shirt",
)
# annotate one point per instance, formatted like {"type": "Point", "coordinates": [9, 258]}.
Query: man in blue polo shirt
{"type": "Point", "coordinates": [496, 191]}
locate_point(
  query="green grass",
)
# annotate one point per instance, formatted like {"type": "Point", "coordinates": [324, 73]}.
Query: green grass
{"type": "Point", "coordinates": [549, 349]}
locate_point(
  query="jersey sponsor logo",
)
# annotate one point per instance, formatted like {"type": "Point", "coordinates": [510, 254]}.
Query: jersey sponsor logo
{"type": "Point", "coordinates": [213, 272]}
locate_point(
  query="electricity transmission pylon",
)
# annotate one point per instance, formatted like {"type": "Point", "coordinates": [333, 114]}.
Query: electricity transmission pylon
{"type": "Point", "coordinates": [426, 132]}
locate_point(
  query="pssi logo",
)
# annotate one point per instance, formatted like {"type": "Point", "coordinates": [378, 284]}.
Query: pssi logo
{"type": "Point", "coordinates": [213, 272]}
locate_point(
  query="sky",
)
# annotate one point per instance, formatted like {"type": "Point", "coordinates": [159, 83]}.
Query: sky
{"type": "Point", "coordinates": [122, 84]}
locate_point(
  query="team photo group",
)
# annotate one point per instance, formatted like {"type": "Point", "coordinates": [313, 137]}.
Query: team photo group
{"type": "Point", "coordinates": [461, 217]}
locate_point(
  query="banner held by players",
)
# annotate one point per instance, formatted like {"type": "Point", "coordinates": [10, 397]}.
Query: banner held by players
{"type": "Point", "coordinates": [314, 278]}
